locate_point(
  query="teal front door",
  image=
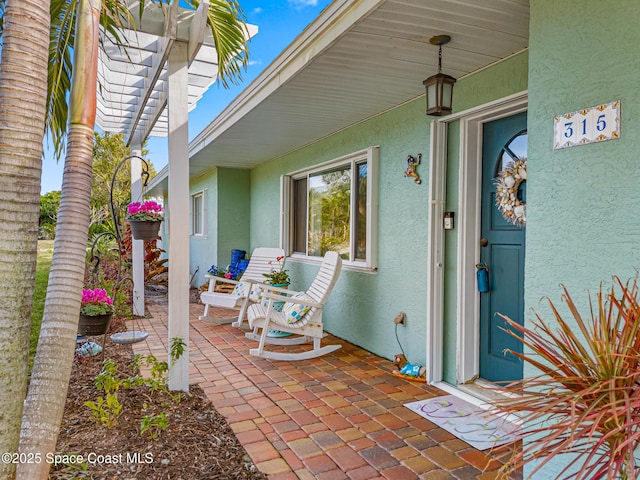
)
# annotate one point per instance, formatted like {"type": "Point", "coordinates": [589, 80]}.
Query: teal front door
{"type": "Point", "coordinates": [502, 249]}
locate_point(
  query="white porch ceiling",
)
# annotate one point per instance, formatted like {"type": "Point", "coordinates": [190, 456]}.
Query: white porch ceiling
{"type": "Point", "coordinates": [359, 58]}
{"type": "Point", "coordinates": [132, 80]}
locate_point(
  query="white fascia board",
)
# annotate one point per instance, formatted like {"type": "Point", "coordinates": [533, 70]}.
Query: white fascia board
{"type": "Point", "coordinates": [337, 19]}
{"type": "Point", "coordinates": [156, 181]}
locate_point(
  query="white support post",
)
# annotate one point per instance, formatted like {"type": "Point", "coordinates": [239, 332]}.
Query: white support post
{"type": "Point", "coordinates": [179, 204]}
{"type": "Point", "coordinates": [137, 253]}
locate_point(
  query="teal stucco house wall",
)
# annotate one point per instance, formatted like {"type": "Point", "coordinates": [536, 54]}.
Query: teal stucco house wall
{"type": "Point", "coordinates": [518, 64]}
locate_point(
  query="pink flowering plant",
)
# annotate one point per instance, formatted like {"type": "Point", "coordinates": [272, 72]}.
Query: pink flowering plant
{"type": "Point", "coordinates": [278, 275]}
{"type": "Point", "coordinates": [148, 211]}
{"type": "Point", "coordinates": [225, 272]}
{"type": "Point", "coordinates": [96, 302]}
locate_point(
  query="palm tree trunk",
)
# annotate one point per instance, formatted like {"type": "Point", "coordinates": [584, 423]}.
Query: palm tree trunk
{"type": "Point", "coordinates": [23, 93]}
{"type": "Point", "coordinates": [45, 401]}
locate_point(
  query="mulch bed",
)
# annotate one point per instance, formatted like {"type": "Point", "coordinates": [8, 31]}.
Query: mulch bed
{"type": "Point", "coordinates": [197, 444]}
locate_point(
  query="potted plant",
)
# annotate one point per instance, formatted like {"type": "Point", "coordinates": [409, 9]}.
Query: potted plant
{"type": "Point", "coordinates": [144, 219]}
{"type": "Point", "coordinates": [228, 273]}
{"type": "Point", "coordinates": [96, 310]}
{"type": "Point", "coordinates": [280, 277]}
{"type": "Point", "coordinates": [585, 402]}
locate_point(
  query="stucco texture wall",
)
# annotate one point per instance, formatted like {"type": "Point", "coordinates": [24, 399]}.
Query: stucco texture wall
{"type": "Point", "coordinates": [492, 83]}
{"type": "Point", "coordinates": [582, 220]}
{"type": "Point", "coordinates": [227, 207]}
{"type": "Point", "coordinates": [203, 250]}
{"type": "Point", "coordinates": [233, 212]}
{"type": "Point", "coordinates": [362, 306]}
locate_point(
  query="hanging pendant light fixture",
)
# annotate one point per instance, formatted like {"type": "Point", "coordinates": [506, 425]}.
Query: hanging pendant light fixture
{"type": "Point", "coordinates": [439, 86]}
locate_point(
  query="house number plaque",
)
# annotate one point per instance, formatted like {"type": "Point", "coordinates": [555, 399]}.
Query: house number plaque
{"type": "Point", "coordinates": [591, 125]}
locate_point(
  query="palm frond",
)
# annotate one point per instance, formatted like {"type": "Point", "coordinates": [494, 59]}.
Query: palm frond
{"type": "Point", "coordinates": [114, 16]}
{"type": "Point", "coordinates": [62, 35]}
{"type": "Point", "coordinates": [226, 19]}
{"type": "Point", "coordinates": [1, 17]}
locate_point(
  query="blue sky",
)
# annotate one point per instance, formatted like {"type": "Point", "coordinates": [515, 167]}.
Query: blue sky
{"type": "Point", "coordinates": [279, 22]}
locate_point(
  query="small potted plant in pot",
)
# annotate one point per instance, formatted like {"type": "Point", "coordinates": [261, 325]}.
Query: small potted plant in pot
{"type": "Point", "coordinates": [279, 277]}
{"type": "Point", "coordinates": [144, 219]}
{"type": "Point", "coordinates": [96, 310]}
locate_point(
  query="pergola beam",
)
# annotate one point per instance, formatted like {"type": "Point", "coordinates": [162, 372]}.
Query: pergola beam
{"type": "Point", "coordinates": [140, 127]}
{"type": "Point", "coordinates": [197, 30]}
{"type": "Point", "coordinates": [145, 88]}
{"type": "Point", "coordinates": [158, 61]}
{"type": "Point", "coordinates": [132, 89]}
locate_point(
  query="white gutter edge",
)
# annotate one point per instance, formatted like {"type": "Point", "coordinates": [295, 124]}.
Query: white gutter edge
{"type": "Point", "coordinates": [159, 178]}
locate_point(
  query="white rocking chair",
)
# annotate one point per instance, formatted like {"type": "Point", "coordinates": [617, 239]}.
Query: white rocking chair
{"type": "Point", "coordinates": [261, 261]}
{"type": "Point", "coordinates": [306, 326]}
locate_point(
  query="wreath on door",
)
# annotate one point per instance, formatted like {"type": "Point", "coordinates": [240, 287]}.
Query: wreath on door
{"type": "Point", "coordinates": [507, 184]}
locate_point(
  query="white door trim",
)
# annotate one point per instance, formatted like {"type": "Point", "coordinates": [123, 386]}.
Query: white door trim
{"type": "Point", "coordinates": [435, 258]}
{"type": "Point", "coordinates": [468, 230]}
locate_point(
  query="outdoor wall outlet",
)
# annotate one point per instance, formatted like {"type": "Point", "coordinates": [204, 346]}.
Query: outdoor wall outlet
{"type": "Point", "coordinates": [399, 320]}
{"type": "Point", "coordinates": [448, 220]}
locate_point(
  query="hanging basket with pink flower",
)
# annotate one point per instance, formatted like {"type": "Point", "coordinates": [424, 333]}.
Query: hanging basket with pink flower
{"type": "Point", "coordinates": [144, 219]}
{"type": "Point", "coordinates": [96, 311]}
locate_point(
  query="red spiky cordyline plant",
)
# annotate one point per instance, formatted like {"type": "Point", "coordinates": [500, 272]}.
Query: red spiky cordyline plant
{"type": "Point", "coordinates": [586, 400]}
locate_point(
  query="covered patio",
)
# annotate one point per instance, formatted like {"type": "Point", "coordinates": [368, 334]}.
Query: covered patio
{"type": "Point", "coordinates": [340, 416]}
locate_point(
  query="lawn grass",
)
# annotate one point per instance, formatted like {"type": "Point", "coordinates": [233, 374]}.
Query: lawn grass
{"type": "Point", "coordinates": [45, 253]}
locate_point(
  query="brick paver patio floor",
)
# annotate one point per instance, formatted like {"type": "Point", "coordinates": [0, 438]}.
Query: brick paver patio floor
{"type": "Point", "coordinates": [340, 416]}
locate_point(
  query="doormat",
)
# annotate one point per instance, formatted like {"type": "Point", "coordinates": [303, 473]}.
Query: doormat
{"type": "Point", "coordinates": [478, 427]}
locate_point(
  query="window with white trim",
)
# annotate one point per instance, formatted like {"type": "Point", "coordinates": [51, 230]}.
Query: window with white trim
{"type": "Point", "coordinates": [198, 216]}
{"type": "Point", "coordinates": [334, 206]}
